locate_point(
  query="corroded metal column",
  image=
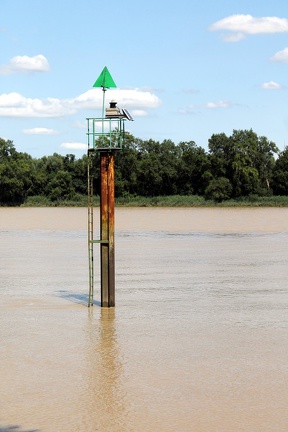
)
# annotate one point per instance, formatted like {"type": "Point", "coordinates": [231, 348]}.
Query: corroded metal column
{"type": "Point", "coordinates": [111, 217]}
{"type": "Point", "coordinates": [90, 226]}
{"type": "Point", "coordinates": [107, 255]}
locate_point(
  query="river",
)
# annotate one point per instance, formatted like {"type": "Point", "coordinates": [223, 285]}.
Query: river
{"type": "Point", "coordinates": [197, 342]}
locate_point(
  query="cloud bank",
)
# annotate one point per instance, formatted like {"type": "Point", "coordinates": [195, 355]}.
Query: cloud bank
{"type": "Point", "coordinates": [271, 85]}
{"type": "Point", "coordinates": [240, 25]}
{"type": "Point", "coordinates": [40, 131]}
{"type": "Point", "coordinates": [281, 56]}
{"type": "Point", "coordinates": [16, 105]}
{"type": "Point", "coordinates": [25, 64]}
{"type": "Point", "coordinates": [209, 105]}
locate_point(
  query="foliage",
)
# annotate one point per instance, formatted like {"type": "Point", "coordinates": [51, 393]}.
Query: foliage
{"type": "Point", "coordinates": [15, 174]}
{"type": "Point", "coordinates": [219, 189]}
{"type": "Point", "coordinates": [245, 159]}
{"type": "Point", "coordinates": [240, 166]}
{"type": "Point", "coordinates": [280, 174]}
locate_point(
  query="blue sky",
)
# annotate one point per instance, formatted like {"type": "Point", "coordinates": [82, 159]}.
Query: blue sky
{"type": "Point", "coordinates": [184, 69]}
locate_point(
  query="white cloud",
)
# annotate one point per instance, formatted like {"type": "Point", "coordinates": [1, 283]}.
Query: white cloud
{"type": "Point", "coordinates": [40, 131]}
{"type": "Point", "coordinates": [219, 104]}
{"type": "Point", "coordinates": [80, 124]}
{"type": "Point", "coordinates": [16, 105]}
{"type": "Point", "coordinates": [136, 99]}
{"type": "Point", "coordinates": [105, 126]}
{"type": "Point", "coordinates": [209, 105]}
{"type": "Point", "coordinates": [281, 56]}
{"type": "Point", "coordinates": [139, 113]}
{"type": "Point", "coordinates": [24, 64]}
{"type": "Point", "coordinates": [11, 100]}
{"type": "Point", "coordinates": [233, 37]}
{"type": "Point", "coordinates": [271, 85]}
{"type": "Point", "coordinates": [240, 25]}
{"type": "Point", "coordinates": [74, 146]}
{"type": "Point", "coordinates": [125, 98]}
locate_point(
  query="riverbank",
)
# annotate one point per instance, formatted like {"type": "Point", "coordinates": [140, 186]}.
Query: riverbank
{"type": "Point", "coordinates": [162, 201]}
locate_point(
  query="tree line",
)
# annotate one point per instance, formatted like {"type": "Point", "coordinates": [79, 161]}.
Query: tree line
{"type": "Point", "coordinates": [235, 166]}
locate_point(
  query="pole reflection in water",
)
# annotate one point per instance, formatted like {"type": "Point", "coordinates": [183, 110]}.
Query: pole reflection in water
{"type": "Point", "coordinates": [105, 397]}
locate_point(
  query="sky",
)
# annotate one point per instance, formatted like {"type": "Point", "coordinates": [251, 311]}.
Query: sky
{"type": "Point", "coordinates": [185, 70]}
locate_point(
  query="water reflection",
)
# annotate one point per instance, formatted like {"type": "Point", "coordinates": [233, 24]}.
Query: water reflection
{"type": "Point", "coordinates": [105, 396]}
{"type": "Point", "coordinates": [16, 428]}
{"type": "Point", "coordinates": [76, 298]}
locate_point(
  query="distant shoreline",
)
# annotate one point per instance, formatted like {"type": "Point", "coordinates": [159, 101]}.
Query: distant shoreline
{"type": "Point", "coordinates": [162, 201]}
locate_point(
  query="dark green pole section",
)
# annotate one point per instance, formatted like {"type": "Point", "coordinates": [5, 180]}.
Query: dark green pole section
{"type": "Point", "coordinates": [107, 257]}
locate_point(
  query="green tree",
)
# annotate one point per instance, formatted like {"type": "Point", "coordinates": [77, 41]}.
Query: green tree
{"type": "Point", "coordinates": [193, 169]}
{"type": "Point", "coordinates": [15, 174]}
{"type": "Point", "coordinates": [79, 177]}
{"type": "Point", "coordinates": [265, 162]}
{"type": "Point", "coordinates": [157, 168]}
{"type": "Point", "coordinates": [39, 177]}
{"type": "Point", "coordinates": [245, 177]}
{"type": "Point", "coordinates": [168, 158]}
{"type": "Point", "coordinates": [54, 163]}
{"type": "Point", "coordinates": [279, 180]}
{"type": "Point", "coordinates": [220, 155]}
{"type": "Point", "coordinates": [60, 186]}
{"type": "Point", "coordinates": [219, 189]}
{"type": "Point", "coordinates": [244, 159]}
{"type": "Point", "coordinates": [126, 168]}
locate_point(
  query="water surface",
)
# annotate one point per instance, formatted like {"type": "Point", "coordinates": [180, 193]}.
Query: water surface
{"type": "Point", "coordinates": [198, 340]}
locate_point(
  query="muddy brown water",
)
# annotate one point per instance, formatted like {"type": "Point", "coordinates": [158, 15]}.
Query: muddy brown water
{"type": "Point", "coordinates": [198, 341]}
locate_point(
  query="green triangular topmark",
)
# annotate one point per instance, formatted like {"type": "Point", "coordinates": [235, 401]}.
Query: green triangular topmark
{"type": "Point", "coordinates": [104, 80]}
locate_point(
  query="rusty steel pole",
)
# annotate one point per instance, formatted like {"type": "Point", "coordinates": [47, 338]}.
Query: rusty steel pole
{"type": "Point", "coordinates": [90, 226]}
{"type": "Point", "coordinates": [107, 254]}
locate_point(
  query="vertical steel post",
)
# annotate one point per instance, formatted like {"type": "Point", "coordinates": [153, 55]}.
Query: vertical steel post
{"type": "Point", "coordinates": [90, 226]}
{"type": "Point", "coordinates": [107, 229]}
{"type": "Point", "coordinates": [111, 218]}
